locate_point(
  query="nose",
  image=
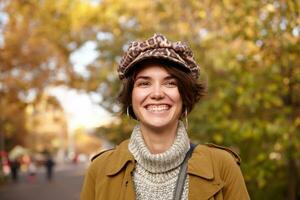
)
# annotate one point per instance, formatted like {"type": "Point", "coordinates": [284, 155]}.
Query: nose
{"type": "Point", "coordinates": [157, 92]}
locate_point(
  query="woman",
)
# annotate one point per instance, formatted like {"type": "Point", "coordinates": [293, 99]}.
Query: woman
{"type": "Point", "coordinates": [158, 162]}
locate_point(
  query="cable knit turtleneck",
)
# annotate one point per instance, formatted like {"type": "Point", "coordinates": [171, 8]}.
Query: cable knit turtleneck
{"type": "Point", "coordinates": [155, 175]}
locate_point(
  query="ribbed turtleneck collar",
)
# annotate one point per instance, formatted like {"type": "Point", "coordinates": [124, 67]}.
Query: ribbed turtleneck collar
{"type": "Point", "coordinates": [162, 162]}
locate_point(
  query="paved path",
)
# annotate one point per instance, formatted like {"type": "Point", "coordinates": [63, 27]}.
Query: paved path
{"type": "Point", "coordinates": [66, 185]}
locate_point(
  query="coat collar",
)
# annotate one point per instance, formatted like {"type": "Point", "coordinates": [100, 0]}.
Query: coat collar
{"type": "Point", "coordinates": [120, 157]}
{"type": "Point", "coordinates": [200, 164]}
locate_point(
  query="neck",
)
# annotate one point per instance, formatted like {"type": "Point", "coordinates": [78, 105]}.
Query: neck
{"type": "Point", "coordinates": [159, 140]}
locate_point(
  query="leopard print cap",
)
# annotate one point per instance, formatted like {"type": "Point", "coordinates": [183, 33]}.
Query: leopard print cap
{"type": "Point", "coordinates": [158, 46]}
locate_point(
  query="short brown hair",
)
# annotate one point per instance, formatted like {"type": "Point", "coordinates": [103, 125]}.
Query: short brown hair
{"type": "Point", "coordinates": [190, 90]}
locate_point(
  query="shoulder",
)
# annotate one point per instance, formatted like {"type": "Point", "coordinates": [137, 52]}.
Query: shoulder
{"type": "Point", "coordinates": [108, 159]}
{"type": "Point", "coordinates": [101, 154]}
{"type": "Point", "coordinates": [120, 148]}
{"type": "Point", "coordinates": [222, 153]}
{"type": "Point", "coordinates": [222, 163]}
{"type": "Point", "coordinates": [99, 160]}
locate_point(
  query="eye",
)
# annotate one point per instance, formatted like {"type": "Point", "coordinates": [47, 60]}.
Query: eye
{"type": "Point", "coordinates": [171, 83]}
{"type": "Point", "coordinates": [142, 83]}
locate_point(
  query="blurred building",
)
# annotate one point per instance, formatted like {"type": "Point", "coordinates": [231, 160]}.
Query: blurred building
{"type": "Point", "coordinates": [48, 131]}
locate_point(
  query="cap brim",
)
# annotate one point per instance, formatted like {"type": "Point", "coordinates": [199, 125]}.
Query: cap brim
{"type": "Point", "coordinates": [143, 58]}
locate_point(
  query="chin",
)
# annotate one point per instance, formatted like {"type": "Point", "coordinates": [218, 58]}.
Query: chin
{"type": "Point", "coordinates": [159, 123]}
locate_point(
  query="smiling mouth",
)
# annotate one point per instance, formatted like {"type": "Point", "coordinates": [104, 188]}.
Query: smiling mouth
{"type": "Point", "coordinates": [158, 108]}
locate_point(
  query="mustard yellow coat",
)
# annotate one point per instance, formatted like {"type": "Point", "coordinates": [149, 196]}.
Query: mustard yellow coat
{"type": "Point", "coordinates": [213, 174]}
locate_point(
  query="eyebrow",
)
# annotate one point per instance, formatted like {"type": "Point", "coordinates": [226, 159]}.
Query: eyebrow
{"type": "Point", "coordinates": [142, 77]}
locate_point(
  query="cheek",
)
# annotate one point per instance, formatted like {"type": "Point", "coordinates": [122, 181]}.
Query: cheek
{"type": "Point", "coordinates": [176, 97]}
{"type": "Point", "coordinates": [179, 103]}
{"type": "Point", "coordinates": [179, 106]}
{"type": "Point", "coordinates": [137, 97]}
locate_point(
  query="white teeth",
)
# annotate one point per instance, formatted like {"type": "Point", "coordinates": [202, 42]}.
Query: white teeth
{"type": "Point", "coordinates": [157, 108]}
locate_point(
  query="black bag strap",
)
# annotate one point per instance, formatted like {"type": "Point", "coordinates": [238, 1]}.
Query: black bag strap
{"type": "Point", "coordinates": [182, 174]}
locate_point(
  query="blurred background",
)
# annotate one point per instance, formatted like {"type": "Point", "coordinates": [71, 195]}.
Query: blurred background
{"type": "Point", "coordinates": [58, 84]}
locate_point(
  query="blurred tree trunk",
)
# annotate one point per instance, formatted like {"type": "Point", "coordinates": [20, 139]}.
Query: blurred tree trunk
{"type": "Point", "coordinates": [291, 150]}
{"type": "Point", "coordinates": [292, 178]}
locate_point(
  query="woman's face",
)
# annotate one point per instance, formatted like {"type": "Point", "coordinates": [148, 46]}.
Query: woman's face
{"type": "Point", "coordinates": [156, 99]}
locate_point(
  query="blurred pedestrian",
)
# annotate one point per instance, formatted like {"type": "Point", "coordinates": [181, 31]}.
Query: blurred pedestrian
{"type": "Point", "coordinates": [49, 164]}
{"type": "Point", "coordinates": [32, 169]}
{"type": "Point", "coordinates": [15, 167]}
{"type": "Point", "coordinates": [158, 162]}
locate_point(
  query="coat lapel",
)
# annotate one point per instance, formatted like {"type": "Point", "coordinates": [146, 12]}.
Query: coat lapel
{"type": "Point", "coordinates": [202, 182]}
{"type": "Point", "coordinates": [120, 157]}
{"type": "Point", "coordinates": [121, 164]}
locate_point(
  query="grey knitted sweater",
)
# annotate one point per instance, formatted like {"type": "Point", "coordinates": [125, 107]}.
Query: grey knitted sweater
{"type": "Point", "coordinates": [155, 175]}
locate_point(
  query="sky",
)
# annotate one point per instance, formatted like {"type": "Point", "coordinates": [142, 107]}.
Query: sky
{"type": "Point", "coordinates": [81, 111]}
